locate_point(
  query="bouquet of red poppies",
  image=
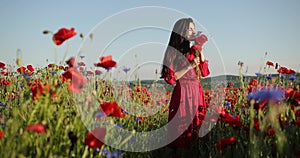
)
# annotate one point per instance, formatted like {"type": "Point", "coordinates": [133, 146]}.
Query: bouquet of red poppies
{"type": "Point", "coordinates": [200, 40]}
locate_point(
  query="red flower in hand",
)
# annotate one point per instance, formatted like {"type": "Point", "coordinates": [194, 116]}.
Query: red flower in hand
{"type": "Point", "coordinates": [93, 138]}
{"type": "Point", "coordinates": [62, 35]}
{"type": "Point", "coordinates": [106, 62]}
{"type": "Point", "coordinates": [199, 41]}
{"type": "Point", "coordinates": [38, 128]}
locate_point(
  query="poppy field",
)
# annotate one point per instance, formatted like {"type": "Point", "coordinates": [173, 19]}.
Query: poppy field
{"type": "Point", "coordinates": [43, 112]}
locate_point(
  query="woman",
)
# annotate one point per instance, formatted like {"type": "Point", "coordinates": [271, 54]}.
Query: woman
{"type": "Point", "coordinates": [182, 66]}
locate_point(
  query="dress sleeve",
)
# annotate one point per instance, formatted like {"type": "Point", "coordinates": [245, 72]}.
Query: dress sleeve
{"type": "Point", "coordinates": [169, 75]}
{"type": "Point", "coordinates": [203, 66]}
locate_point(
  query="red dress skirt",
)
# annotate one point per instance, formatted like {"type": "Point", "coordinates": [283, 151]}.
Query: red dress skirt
{"type": "Point", "coordinates": [187, 106]}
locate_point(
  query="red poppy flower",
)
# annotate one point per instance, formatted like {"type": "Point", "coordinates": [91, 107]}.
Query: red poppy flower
{"type": "Point", "coordinates": [112, 109]}
{"type": "Point", "coordinates": [4, 73]}
{"type": "Point", "coordinates": [224, 142]}
{"type": "Point", "coordinates": [253, 82]}
{"type": "Point", "coordinates": [140, 94]}
{"type": "Point", "coordinates": [256, 124]}
{"type": "Point", "coordinates": [1, 134]}
{"type": "Point", "coordinates": [289, 92]}
{"type": "Point", "coordinates": [62, 35]}
{"type": "Point", "coordinates": [270, 63]}
{"type": "Point", "coordinates": [234, 122]}
{"type": "Point", "coordinates": [21, 69]}
{"type": "Point", "coordinates": [77, 79]}
{"type": "Point", "coordinates": [290, 71]}
{"type": "Point", "coordinates": [38, 89]}
{"type": "Point", "coordinates": [2, 66]}
{"type": "Point", "coordinates": [106, 62]}
{"type": "Point", "coordinates": [98, 72]}
{"type": "Point", "coordinates": [38, 128]}
{"type": "Point", "coordinates": [81, 63]}
{"type": "Point", "coordinates": [30, 68]}
{"type": "Point", "coordinates": [90, 72]}
{"type": "Point", "coordinates": [93, 138]}
{"type": "Point", "coordinates": [297, 122]}
{"type": "Point", "coordinates": [199, 42]}
{"type": "Point", "coordinates": [71, 62]}
{"type": "Point", "coordinates": [282, 70]}
{"type": "Point", "coordinates": [51, 65]}
{"type": "Point", "coordinates": [271, 131]}
{"type": "Point", "coordinates": [6, 82]}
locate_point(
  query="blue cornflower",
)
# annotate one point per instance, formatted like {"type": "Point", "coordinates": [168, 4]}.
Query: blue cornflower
{"type": "Point", "coordinates": [292, 78]}
{"type": "Point", "coordinates": [96, 125]}
{"type": "Point", "coordinates": [228, 104]}
{"type": "Point", "coordinates": [137, 119]}
{"type": "Point", "coordinates": [100, 114]}
{"type": "Point", "coordinates": [105, 151]}
{"type": "Point", "coordinates": [27, 76]}
{"type": "Point", "coordinates": [114, 154]}
{"type": "Point", "coordinates": [107, 69]}
{"type": "Point", "coordinates": [258, 74]}
{"type": "Point", "coordinates": [98, 72]}
{"type": "Point", "coordinates": [132, 139]}
{"type": "Point", "coordinates": [125, 112]}
{"type": "Point", "coordinates": [268, 77]}
{"type": "Point", "coordinates": [81, 56]}
{"type": "Point", "coordinates": [2, 105]}
{"type": "Point", "coordinates": [118, 125]}
{"type": "Point", "coordinates": [267, 95]}
{"type": "Point", "coordinates": [125, 69]}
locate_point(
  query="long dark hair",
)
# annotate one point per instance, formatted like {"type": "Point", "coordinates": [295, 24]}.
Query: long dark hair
{"type": "Point", "coordinates": [178, 45]}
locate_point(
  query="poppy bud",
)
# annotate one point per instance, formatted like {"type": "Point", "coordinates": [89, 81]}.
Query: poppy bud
{"type": "Point", "coordinates": [276, 66]}
{"type": "Point", "coordinates": [81, 35]}
{"type": "Point", "coordinates": [46, 32]}
{"type": "Point", "coordinates": [19, 57]}
{"type": "Point", "coordinates": [91, 36]}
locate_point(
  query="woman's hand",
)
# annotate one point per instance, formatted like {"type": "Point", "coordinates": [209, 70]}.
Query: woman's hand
{"type": "Point", "coordinates": [196, 62]}
{"type": "Point", "coordinates": [181, 72]}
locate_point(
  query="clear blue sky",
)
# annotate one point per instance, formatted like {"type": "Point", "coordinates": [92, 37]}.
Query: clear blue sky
{"type": "Point", "coordinates": [241, 30]}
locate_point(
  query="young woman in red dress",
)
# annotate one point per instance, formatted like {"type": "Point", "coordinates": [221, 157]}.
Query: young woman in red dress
{"type": "Point", "coordinates": [182, 66]}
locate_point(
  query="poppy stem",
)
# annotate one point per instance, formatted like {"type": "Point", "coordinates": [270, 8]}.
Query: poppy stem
{"type": "Point", "coordinates": [55, 54]}
{"type": "Point", "coordinates": [67, 51]}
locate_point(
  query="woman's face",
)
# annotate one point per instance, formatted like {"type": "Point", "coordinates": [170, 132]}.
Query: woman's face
{"type": "Point", "coordinates": [190, 32]}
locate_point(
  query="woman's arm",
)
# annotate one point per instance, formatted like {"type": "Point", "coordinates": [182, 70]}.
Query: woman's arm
{"type": "Point", "coordinates": [180, 73]}
{"type": "Point", "coordinates": [202, 56]}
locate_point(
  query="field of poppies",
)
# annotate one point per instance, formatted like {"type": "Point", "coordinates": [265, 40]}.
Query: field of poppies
{"type": "Point", "coordinates": [67, 110]}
